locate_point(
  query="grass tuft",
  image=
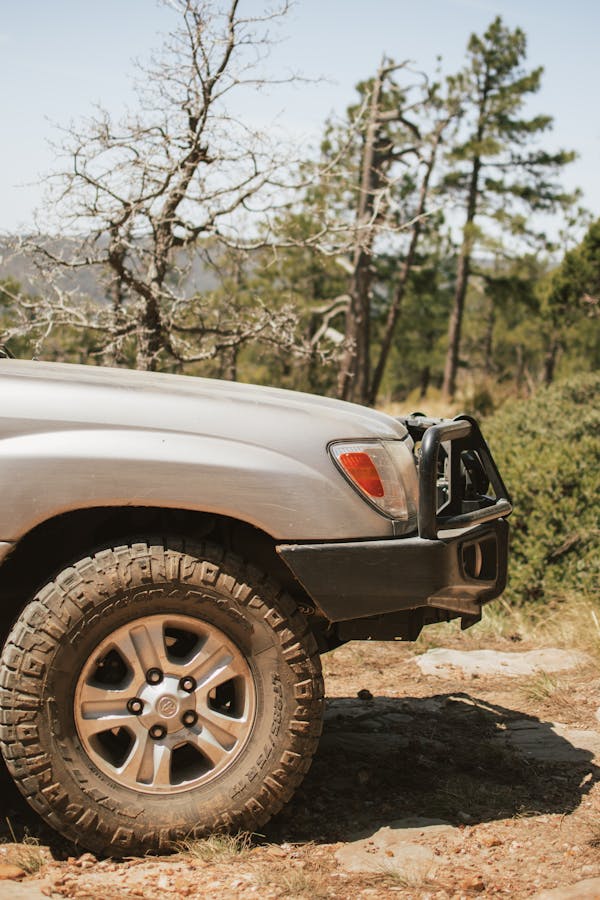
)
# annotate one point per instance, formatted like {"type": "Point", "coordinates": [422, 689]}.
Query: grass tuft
{"type": "Point", "coordinates": [27, 853]}
{"type": "Point", "coordinates": [218, 847]}
{"type": "Point", "coordinates": [545, 687]}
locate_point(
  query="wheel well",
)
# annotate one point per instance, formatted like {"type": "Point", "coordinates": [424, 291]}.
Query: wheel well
{"type": "Point", "coordinates": [60, 541]}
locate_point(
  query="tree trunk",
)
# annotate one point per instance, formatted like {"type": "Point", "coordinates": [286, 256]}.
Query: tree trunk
{"type": "Point", "coordinates": [520, 368]}
{"type": "Point", "coordinates": [424, 382]}
{"type": "Point", "coordinates": [464, 260]}
{"type": "Point", "coordinates": [460, 291]}
{"type": "Point", "coordinates": [355, 372]}
{"type": "Point", "coordinates": [550, 360]}
{"type": "Point", "coordinates": [392, 317]}
{"type": "Point", "coordinates": [394, 310]}
{"type": "Point", "coordinates": [354, 376]}
{"type": "Point", "coordinates": [149, 333]}
{"type": "Point", "coordinates": [488, 343]}
{"type": "Point", "coordinates": [228, 361]}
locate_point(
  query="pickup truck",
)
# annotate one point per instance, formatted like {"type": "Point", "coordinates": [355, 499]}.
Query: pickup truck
{"type": "Point", "coordinates": [175, 555]}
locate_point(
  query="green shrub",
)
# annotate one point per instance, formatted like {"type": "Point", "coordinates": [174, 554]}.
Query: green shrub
{"type": "Point", "coordinates": [548, 451]}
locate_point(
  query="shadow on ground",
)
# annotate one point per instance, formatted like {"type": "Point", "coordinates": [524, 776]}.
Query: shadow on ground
{"type": "Point", "coordinates": [452, 757]}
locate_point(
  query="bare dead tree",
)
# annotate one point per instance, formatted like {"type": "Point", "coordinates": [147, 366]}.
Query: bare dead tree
{"type": "Point", "coordinates": [428, 157]}
{"type": "Point", "coordinates": [180, 173]}
{"type": "Point", "coordinates": [374, 200]}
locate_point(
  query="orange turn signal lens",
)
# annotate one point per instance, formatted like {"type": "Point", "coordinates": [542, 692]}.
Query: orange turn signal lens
{"type": "Point", "coordinates": [361, 469]}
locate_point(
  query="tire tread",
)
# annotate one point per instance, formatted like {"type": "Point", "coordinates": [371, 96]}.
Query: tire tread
{"type": "Point", "coordinates": [30, 646]}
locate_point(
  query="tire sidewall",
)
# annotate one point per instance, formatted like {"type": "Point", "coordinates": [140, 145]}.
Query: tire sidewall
{"type": "Point", "coordinates": [113, 814]}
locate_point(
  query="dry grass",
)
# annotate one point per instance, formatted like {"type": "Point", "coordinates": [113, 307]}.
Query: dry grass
{"type": "Point", "coordinates": [27, 853]}
{"type": "Point", "coordinates": [591, 826]}
{"type": "Point", "coordinates": [218, 847]}
{"type": "Point", "coordinates": [546, 687]}
{"type": "Point", "coordinates": [30, 856]}
{"type": "Point", "coordinates": [294, 877]}
{"type": "Point", "coordinates": [571, 623]}
{"type": "Point", "coordinates": [289, 876]}
{"type": "Point", "coordinates": [289, 881]}
{"type": "Point", "coordinates": [433, 405]}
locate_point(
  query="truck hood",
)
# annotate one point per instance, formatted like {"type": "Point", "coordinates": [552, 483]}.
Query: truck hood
{"type": "Point", "coordinates": [38, 396]}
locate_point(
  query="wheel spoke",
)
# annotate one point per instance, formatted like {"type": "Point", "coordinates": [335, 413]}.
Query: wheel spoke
{"type": "Point", "coordinates": [101, 710]}
{"type": "Point", "coordinates": [209, 746]}
{"type": "Point", "coordinates": [212, 666]}
{"type": "Point", "coordinates": [98, 721]}
{"type": "Point", "coordinates": [161, 760]}
{"type": "Point", "coordinates": [143, 647]}
{"type": "Point", "coordinates": [148, 764]}
{"type": "Point", "coordinates": [135, 766]}
{"type": "Point", "coordinates": [98, 697]}
{"type": "Point", "coordinates": [211, 649]}
{"type": "Point", "coordinates": [225, 729]}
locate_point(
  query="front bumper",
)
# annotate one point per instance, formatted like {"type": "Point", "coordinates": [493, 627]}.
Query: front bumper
{"type": "Point", "coordinates": [366, 578]}
{"type": "Point", "coordinates": [457, 562]}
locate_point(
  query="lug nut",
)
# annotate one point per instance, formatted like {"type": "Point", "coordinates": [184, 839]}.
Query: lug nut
{"type": "Point", "coordinates": [157, 732]}
{"type": "Point", "coordinates": [188, 684]}
{"type": "Point", "coordinates": [189, 718]}
{"type": "Point", "coordinates": [154, 676]}
{"type": "Point", "coordinates": [135, 706]}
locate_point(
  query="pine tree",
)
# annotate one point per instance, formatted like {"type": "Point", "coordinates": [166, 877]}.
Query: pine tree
{"type": "Point", "coordinates": [499, 174]}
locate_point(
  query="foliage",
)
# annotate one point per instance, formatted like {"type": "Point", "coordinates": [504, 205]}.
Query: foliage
{"type": "Point", "coordinates": [548, 450]}
{"type": "Point", "coordinates": [355, 279]}
{"type": "Point", "coordinates": [497, 170]}
{"type": "Point", "coordinates": [571, 302]}
{"type": "Point", "coordinates": [576, 283]}
{"type": "Point", "coordinates": [366, 207]}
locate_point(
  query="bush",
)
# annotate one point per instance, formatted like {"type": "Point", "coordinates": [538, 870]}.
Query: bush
{"type": "Point", "coordinates": [548, 451]}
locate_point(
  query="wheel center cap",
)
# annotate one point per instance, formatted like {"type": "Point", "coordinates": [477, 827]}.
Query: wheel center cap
{"type": "Point", "coordinates": [167, 706]}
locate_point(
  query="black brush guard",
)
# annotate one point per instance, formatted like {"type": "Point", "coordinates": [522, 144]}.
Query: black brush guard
{"type": "Point", "coordinates": [458, 560]}
{"type": "Point", "coordinates": [459, 444]}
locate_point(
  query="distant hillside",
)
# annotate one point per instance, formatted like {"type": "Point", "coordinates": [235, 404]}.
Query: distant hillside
{"type": "Point", "coordinates": [87, 281]}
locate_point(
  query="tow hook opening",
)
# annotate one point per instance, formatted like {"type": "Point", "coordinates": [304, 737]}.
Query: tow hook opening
{"type": "Point", "coordinates": [480, 559]}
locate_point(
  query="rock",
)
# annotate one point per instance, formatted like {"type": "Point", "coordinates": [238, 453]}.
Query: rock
{"type": "Point", "coordinates": [383, 708]}
{"type": "Point", "coordinates": [598, 713]}
{"type": "Point", "coordinates": [494, 662]}
{"type": "Point", "coordinates": [551, 742]}
{"type": "Point", "coordinates": [410, 861]}
{"type": "Point", "coordinates": [364, 694]}
{"type": "Point", "coordinates": [14, 890]}
{"type": "Point", "coordinates": [8, 871]}
{"type": "Point", "coordinates": [360, 743]}
{"type": "Point", "coordinates": [582, 890]}
{"type": "Point", "coordinates": [418, 826]}
{"type": "Point", "coordinates": [473, 883]}
{"type": "Point", "coordinates": [490, 840]}
{"type": "Point", "coordinates": [391, 848]}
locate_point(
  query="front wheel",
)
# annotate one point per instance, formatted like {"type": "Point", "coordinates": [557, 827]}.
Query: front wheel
{"type": "Point", "coordinates": [150, 693]}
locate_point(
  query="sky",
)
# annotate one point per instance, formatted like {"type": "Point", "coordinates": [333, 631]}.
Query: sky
{"type": "Point", "coordinates": [59, 58]}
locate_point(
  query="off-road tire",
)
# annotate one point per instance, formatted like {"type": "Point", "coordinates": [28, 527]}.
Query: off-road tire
{"type": "Point", "coordinates": [70, 617]}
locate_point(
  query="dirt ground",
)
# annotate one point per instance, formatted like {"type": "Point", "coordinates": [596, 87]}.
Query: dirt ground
{"type": "Point", "coordinates": [525, 816]}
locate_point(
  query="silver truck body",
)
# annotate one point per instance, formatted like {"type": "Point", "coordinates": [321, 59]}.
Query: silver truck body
{"type": "Point", "coordinates": [80, 436]}
{"type": "Point", "coordinates": [176, 553]}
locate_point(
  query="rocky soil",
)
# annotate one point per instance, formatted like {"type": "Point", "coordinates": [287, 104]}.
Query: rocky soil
{"type": "Point", "coordinates": [451, 773]}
